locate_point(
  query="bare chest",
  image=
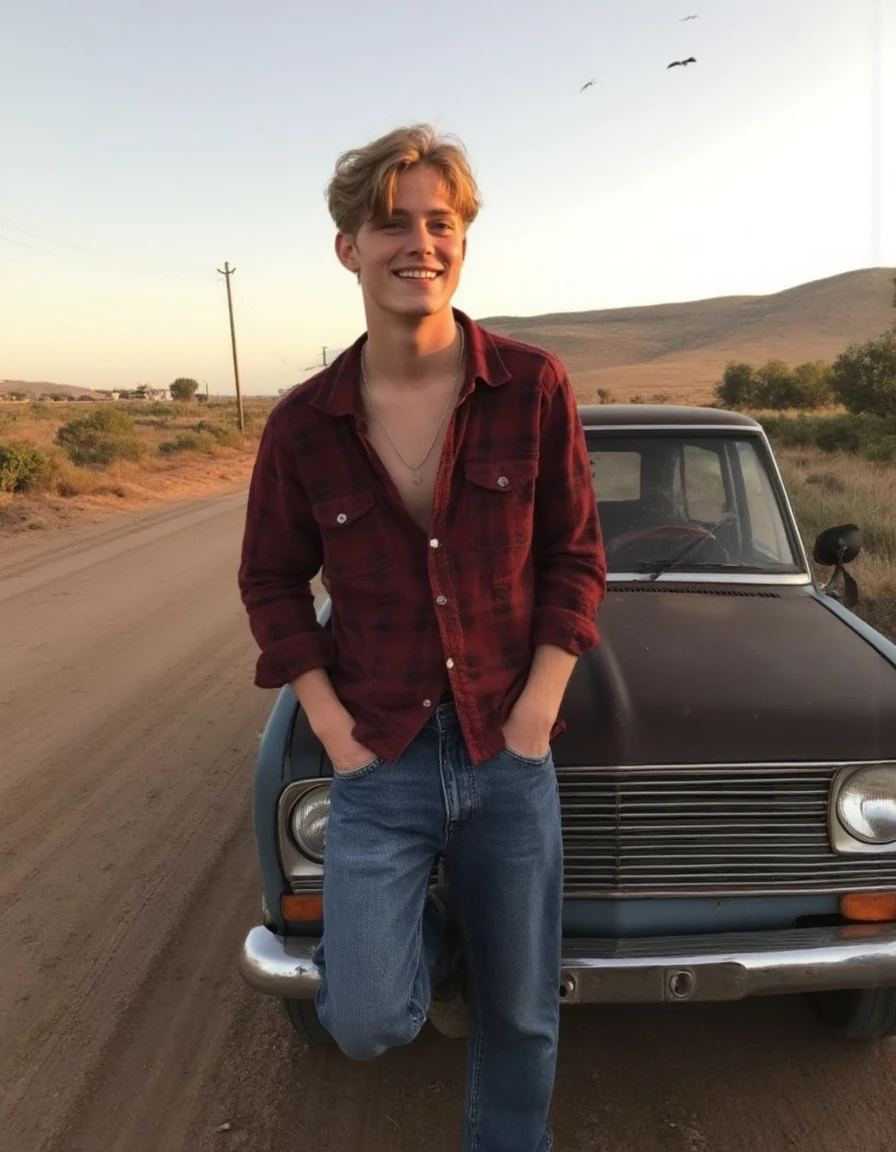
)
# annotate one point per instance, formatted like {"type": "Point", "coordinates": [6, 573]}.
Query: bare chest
{"type": "Point", "coordinates": [408, 437]}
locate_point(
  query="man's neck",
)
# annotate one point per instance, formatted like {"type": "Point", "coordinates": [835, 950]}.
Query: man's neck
{"type": "Point", "coordinates": [411, 354]}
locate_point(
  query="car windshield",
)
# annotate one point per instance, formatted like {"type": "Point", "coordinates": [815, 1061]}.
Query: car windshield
{"type": "Point", "coordinates": [690, 503]}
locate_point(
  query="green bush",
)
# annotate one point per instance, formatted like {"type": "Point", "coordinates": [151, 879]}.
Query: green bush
{"type": "Point", "coordinates": [183, 388]}
{"type": "Point", "coordinates": [868, 436]}
{"type": "Point", "coordinates": [227, 435]}
{"type": "Point", "coordinates": [23, 467]}
{"type": "Point", "coordinates": [737, 388]}
{"type": "Point", "coordinates": [864, 376]}
{"type": "Point", "coordinates": [203, 442]}
{"type": "Point", "coordinates": [106, 435]}
{"type": "Point", "coordinates": [775, 385]}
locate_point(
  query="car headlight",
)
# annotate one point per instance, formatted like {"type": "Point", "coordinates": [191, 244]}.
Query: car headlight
{"type": "Point", "coordinates": [866, 805]}
{"type": "Point", "coordinates": [308, 822]}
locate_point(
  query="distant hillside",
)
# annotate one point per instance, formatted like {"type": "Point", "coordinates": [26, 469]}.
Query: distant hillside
{"type": "Point", "coordinates": [42, 387]}
{"type": "Point", "coordinates": [681, 349]}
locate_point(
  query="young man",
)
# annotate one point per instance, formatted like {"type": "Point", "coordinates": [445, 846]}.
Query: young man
{"type": "Point", "coordinates": [438, 474]}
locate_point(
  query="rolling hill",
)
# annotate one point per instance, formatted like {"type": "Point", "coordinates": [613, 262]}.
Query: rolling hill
{"type": "Point", "coordinates": [37, 388]}
{"type": "Point", "coordinates": [681, 349]}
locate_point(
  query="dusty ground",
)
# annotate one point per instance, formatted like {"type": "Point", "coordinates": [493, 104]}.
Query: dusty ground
{"type": "Point", "coordinates": [129, 726]}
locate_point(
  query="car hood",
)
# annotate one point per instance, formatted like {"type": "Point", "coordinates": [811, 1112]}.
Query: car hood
{"type": "Point", "coordinates": [704, 674]}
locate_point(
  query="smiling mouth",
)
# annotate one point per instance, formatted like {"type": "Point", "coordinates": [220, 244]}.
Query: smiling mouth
{"type": "Point", "coordinates": [417, 274]}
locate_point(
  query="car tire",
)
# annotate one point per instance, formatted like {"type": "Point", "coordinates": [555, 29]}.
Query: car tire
{"type": "Point", "coordinates": [857, 1013]}
{"type": "Point", "coordinates": [303, 1017]}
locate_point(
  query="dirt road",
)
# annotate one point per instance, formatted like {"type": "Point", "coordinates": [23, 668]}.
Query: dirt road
{"type": "Point", "coordinates": [128, 730]}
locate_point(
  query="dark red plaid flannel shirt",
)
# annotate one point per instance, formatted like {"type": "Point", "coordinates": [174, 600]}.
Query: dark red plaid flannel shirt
{"type": "Point", "coordinates": [513, 559]}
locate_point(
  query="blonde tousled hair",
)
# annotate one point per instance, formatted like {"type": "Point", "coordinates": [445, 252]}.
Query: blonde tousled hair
{"type": "Point", "coordinates": [363, 184]}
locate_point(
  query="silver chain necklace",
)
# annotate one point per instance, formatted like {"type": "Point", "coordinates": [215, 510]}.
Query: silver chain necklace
{"type": "Point", "coordinates": [416, 470]}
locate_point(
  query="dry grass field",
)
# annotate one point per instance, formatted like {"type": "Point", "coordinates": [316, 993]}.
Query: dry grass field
{"type": "Point", "coordinates": [182, 450]}
{"type": "Point", "coordinates": [827, 489]}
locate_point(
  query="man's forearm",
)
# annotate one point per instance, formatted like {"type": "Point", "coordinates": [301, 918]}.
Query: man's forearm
{"type": "Point", "coordinates": [316, 695]}
{"type": "Point", "coordinates": [548, 677]}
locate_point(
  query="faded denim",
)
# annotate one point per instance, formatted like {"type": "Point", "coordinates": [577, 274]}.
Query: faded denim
{"type": "Point", "coordinates": [498, 826]}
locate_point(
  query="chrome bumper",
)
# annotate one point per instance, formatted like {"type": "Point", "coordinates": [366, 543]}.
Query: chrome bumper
{"type": "Point", "coordinates": [651, 970]}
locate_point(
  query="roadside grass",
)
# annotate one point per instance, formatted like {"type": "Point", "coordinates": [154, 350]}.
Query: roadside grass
{"type": "Point", "coordinates": [118, 454]}
{"type": "Point", "coordinates": [89, 448]}
{"type": "Point", "coordinates": [831, 488]}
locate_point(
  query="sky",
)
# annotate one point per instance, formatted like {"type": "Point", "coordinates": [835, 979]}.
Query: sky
{"type": "Point", "coordinates": [143, 145]}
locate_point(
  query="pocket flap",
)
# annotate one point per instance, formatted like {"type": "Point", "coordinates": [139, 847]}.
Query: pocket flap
{"type": "Point", "coordinates": [343, 510]}
{"type": "Point", "coordinates": [501, 475]}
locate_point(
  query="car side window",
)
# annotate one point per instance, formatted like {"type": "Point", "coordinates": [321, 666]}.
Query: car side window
{"type": "Point", "coordinates": [769, 534]}
{"type": "Point", "coordinates": [701, 486]}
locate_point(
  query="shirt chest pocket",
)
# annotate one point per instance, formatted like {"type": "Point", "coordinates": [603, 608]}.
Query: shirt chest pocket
{"type": "Point", "coordinates": [501, 496]}
{"type": "Point", "coordinates": [354, 533]}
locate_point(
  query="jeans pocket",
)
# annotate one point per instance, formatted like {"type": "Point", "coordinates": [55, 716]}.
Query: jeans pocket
{"type": "Point", "coordinates": [531, 760]}
{"type": "Point", "coordinates": [355, 773]}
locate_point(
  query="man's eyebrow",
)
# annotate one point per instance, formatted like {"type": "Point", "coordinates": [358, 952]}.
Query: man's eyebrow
{"type": "Point", "coordinates": [430, 212]}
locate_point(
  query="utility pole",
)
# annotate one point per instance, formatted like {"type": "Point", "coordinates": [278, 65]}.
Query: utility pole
{"type": "Point", "coordinates": [323, 363]}
{"type": "Point", "coordinates": [227, 273]}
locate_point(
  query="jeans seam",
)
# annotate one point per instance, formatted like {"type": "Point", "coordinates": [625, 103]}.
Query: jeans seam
{"type": "Point", "coordinates": [477, 1046]}
{"type": "Point", "coordinates": [417, 1018]}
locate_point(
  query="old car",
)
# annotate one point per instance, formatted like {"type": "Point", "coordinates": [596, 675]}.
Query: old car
{"type": "Point", "coordinates": [728, 768]}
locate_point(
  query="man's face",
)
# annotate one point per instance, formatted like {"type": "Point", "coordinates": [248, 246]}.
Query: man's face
{"type": "Point", "coordinates": [410, 264]}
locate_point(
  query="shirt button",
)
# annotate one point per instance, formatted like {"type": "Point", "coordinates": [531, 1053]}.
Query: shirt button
{"type": "Point", "coordinates": [341, 518]}
{"type": "Point", "coordinates": [427, 703]}
{"type": "Point", "coordinates": [503, 481]}
{"type": "Point", "coordinates": [433, 543]}
{"type": "Point", "coordinates": [441, 601]}
{"type": "Point", "coordinates": [449, 663]}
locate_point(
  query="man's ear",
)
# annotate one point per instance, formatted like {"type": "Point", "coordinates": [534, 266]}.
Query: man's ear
{"type": "Point", "coordinates": [347, 252]}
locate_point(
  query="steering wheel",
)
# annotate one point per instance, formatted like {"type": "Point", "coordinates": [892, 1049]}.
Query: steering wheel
{"type": "Point", "coordinates": [663, 532]}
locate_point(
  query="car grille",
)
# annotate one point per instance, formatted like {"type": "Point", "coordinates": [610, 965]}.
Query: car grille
{"type": "Point", "coordinates": [668, 831]}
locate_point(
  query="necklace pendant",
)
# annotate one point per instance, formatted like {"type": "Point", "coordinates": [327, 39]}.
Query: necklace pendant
{"type": "Point", "coordinates": [418, 476]}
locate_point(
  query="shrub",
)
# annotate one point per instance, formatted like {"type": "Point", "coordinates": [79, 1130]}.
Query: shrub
{"type": "Point", "coordinates": [227, 435]}
{"type": "Point", "coordinates": [23, 467]}
{"type": "Point", "coordinates": [864, 376]}
{"type": "Point", "coordinates": [203, 442]}
{"type": "Point", "coordinates": [106, 435]}
{"type": "Point", "coordinates": [183, 388]}
{"type": "Point", "coordinates": [737, 388]}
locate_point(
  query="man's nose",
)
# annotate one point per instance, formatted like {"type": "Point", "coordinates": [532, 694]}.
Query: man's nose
{"type": "Point", "coordinates": [419, 238]}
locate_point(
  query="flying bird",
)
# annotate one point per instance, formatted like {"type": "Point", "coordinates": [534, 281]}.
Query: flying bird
{"type": "Point", "coordinates": [587, 85]}
{"type": "Point", "coordinates": [682, 63]}
{"type": "Point", "coordinates": [684, 18]}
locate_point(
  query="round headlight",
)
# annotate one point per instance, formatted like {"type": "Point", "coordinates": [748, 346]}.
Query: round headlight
{"type": "Point", "coordinates": [867, 805]}
{"type": "Point", "coordinates": [308, 822]}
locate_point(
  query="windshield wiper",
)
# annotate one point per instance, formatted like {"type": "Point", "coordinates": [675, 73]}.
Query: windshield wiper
{"type": "Point", "coordinates": [657, 568]}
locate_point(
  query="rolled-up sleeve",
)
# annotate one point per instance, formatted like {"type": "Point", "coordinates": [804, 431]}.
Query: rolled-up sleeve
{"type": "Point", "coordinates": [570, 566]}
{"type": "Point", "coordinates": [281, 554]}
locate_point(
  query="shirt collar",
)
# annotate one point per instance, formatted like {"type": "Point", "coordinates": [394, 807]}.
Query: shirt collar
{"type": "Point", "coordinates": [338, 393]}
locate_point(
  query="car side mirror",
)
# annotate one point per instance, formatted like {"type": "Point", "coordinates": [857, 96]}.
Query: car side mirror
{"type": "Point", "coordinates": [838, 545]}
{"type": "Point", "coordinates": [835, 548]}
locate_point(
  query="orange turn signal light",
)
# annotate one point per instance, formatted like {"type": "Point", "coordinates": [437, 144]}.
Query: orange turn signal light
{"type": "Point", "coordinates": [870, 907]}
{"type": "Point", "coordinates": [302, 907]}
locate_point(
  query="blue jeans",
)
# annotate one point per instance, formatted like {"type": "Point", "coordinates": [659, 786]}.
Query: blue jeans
{"type": "Point", "coordinates": [498, 825]}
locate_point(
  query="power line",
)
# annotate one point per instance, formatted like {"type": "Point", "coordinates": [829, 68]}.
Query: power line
{"type": "Point", "coordinates": [103, 262]}
{"type": "Point", "coordinates": [134, 263]}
